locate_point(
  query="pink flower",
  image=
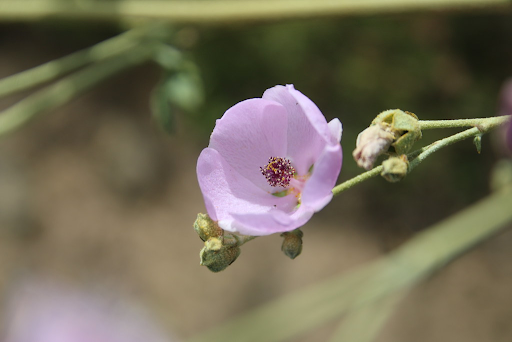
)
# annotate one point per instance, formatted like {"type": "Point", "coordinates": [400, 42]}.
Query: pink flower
{"type": "Point", "coordinates": [271, 163]}
{"type": "Point", "coordinates": [40, 312]}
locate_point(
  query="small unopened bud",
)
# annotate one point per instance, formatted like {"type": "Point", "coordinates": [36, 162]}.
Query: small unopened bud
{"type": "Point", "coordinates": [216, 256]}
{"type": "Point", "coordinates": [478, 143]}
{"type": "Point", "coordinates": [404, 125]}
{"type": "Point", "coordinates": [370, 144]}
{"type": "Point", "coordinates": [206, 228]}
{"type": "Point", "coordinates": [395, 169]}
{"type": "Point", "coordinates": [391, 128]}
{"type": "Point", "coordinates": [292, 244]}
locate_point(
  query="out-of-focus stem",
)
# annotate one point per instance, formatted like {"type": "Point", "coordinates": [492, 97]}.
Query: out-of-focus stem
{"type": "Point", "coordinates": [222, 11]}
{"type": "Point", "coordinates": [66, 89]}
{"type": "Point", "coordinates": [430, 250]}
{"type": "Point", "coordinates": [58, 67]}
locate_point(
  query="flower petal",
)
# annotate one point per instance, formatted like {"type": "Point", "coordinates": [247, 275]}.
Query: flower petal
{"type": "Point", "coordinates": [336, 130]}
{"type": "Point", "coordinates": [275, 221]}
{"type": "Point", "coordinates": [318, 189]}
{"type": "Point", "coordinates": [248, 134]}
{"type": "Point", "coordinates": [226, 192]}
{"type": "Point", "coordinates": [307, 127]}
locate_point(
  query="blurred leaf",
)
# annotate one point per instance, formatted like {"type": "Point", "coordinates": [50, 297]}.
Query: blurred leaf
{"type": "Point", "coordinates": [161, 108]}
{"type": "Point", "coordinates": [185, 89]}
{"type": "Point", "coordinates": [364, 325]}
{"type": "Point", "coordinates": [299, 312]}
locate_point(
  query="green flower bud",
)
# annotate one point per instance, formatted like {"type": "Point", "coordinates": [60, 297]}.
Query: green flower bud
{"type": "Point", "coordinates": [395, 168]}
{"type": "Point", "coordinates": [478, 143]}
{"type": "Point", "coordinates": [216, 256]}
{"type": "Point", "coordinates": [404, 125]}
{"type": "Point", "coordinates": [206, 228]}
{"type": "Point", "coordinates": [292, 244]}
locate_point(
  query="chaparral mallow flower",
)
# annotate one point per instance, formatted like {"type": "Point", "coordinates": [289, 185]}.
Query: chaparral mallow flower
{"type": "Point", "coordinates": [271, 163]}
{"type": "Point", "coordinates": [44, 312]}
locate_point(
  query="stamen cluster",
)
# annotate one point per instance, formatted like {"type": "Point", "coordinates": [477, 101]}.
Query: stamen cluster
{"type": "Point", "coordinates": [278, 172]}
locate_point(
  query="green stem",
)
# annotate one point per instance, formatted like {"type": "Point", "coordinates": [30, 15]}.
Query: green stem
{"type": "Point", "coordinates": [415, 158]}
{"type": "Point", "coordinates": [66, 89]}
{"type": "Point", "coordinates": [222, 11]}
{"type": "Point", "coordinates": [356, 180]}
{"type": "Point", "coordinates": [56, 68]}
{"type": "Point", "coordinates": [483, 127]}
{"type": "Point", "coordinates": [284, 318]}
{"type": "Point", "coordinates": [364, 324]}
{"type": "Point", "coordinates": [238, 240]}
{"type": "Point", "coordinates": [431, 124]}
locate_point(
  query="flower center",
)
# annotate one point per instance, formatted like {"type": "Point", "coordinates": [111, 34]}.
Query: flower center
{"type": "Point", "coordinates": [278, 172]}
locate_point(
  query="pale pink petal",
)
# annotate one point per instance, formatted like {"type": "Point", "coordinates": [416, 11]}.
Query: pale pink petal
{"type": "Point", "coordinates": [273, 222]}
{"type": "Point", "coordinates": [318, 189]}
{"type": "Point", "coordinates": [226, 192]}
{"type": "Point", "coordinates": [307, 127]}
{"type": "Point", "coordinates": [336, 130]}
{"type": "Point", "coordinates": [249, 134]}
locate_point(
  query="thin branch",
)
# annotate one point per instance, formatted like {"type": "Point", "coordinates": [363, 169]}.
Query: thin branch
{"type": "Point", "coordinates": [297, 313]}
{"type": "Point", "coordinates": [66, 89]}
{"type": "Point", "coordinates": [58, 67]}
{"type": "Point", "coordinates": [356, 180]}
{"type": "Point", "coordinates": [223, 11]}
{"type": "Point", "coordinates": [484, 125]}
{"type": "Point", "coordinates": [431, 124]}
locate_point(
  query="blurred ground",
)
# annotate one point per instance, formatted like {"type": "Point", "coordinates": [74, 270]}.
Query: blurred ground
{"type": "Point", "coordinates": [95, 195]}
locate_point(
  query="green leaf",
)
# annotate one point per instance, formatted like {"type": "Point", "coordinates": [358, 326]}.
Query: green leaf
{"type": "Point", "coordinates": [161, 108]}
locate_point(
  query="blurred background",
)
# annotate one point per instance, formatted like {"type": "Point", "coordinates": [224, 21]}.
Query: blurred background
{"type": "Point", "coordinates": [97, 196]}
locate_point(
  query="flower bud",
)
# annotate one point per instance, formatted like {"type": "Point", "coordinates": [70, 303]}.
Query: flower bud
{"type": "Point", "coordinates": [292, 244]}
{"type": "Point", "coordinates": [206, 228]}
{"type": "Point", "coordinates": [404, 125]}
{"type": "Point", "coordinates": [371, 143]}
{"type": "Point", "coordinates": [395, 168]}
{"type": "Point", "coordinates": [394, 128]}
{"type": "Point", "coordinates": [216, 256]}
{"type": "Point", "coordinates": [478, 143]}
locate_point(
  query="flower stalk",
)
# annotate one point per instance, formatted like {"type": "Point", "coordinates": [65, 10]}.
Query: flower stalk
{"type": "Point", "coordinates": [223, 11]}
{"type": "Point", "coordinates": [481, 126]}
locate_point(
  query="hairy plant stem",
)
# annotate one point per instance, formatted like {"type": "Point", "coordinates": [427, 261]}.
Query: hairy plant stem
{"type": "Point", "coordinates": [237, 240]}
{"type": "Point", "coordinates": [432, 124]}
{"type": "Point", "coordinates": [484, 125]}
{"type": "Point", "coordinates": [427, 252]}
{"type": "Point", "coordinates": [223, 11]}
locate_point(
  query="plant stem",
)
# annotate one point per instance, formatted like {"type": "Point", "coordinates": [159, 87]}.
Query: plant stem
{"type": "Point", "coordinates": [431, 124]}
{"type": "Point", "coordinates": [97, 53]}
{"type": "Point", "coordinates": [64, 90]}
{"type": "Point", "coordinates": [222, 11]}
{"type": "Point", "coordinates": [484, 125]}
{"type": "Point", "coordinates": [356, 180]}
{"type": "Point", "coordinates": [284, 318]}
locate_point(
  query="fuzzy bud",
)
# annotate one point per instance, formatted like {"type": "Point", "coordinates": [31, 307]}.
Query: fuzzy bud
{"type": "Point", "coordinates": [292, 244]}
{"type": "Point", "coordinates": [216, 256]}
{"type": "Point", "coordinates": [370, 144]}
{"type": "Point", "coordinates": [206, 228]}
{"type": "Point", "coordinates": [395, 169]}
{"type": "Point", "coordinates": [391, 128]}
{"type": "Point", "coordinates": [403, 125]}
